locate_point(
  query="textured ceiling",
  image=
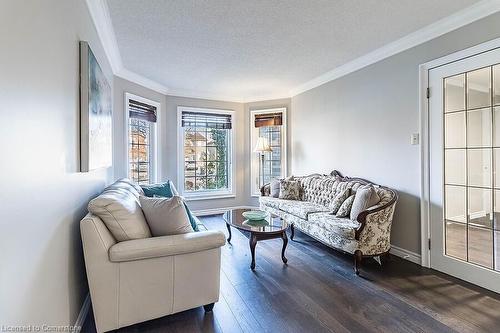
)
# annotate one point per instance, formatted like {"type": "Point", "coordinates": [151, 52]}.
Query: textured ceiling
{"type": "Point", "coordinates": [248, 49]}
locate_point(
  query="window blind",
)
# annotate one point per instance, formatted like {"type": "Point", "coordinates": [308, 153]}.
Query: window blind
{"type": "Point", "coordinates": [268, 119]}
{"type": "Point", "coordinates": [206, 120]}
{"type": "Point", "coordinates": [143, 111]}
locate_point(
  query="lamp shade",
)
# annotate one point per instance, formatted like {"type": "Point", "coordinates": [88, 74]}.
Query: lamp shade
{"type": "Point", "coordinates": [262, 145]}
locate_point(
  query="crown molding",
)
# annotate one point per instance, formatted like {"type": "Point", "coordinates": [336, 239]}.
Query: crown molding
{"type": "Point", "coordinates": [100, 15]}
{"type": "Point", "coordinates": [143, 81]}
{"type": "Point", "coordinates": [466, 16]}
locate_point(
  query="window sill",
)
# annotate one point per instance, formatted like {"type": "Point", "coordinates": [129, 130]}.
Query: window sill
{"type": "Point", "coordinates": [208, 197]}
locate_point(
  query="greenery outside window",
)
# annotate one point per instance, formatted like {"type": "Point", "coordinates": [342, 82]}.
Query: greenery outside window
{"type": "Point", "coordinates": [206, 148]}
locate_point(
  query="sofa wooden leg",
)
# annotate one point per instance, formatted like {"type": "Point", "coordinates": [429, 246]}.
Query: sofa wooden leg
{"type": "Point", "coordinates": [358, 257]}
{"type": "Point", "coordinates": [292, 230]}
{"type": "Point", "coordinates": [209, 307]}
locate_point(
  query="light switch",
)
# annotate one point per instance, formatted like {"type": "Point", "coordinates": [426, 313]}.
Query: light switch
{"type": "Point", "coordinates": [415, 139]}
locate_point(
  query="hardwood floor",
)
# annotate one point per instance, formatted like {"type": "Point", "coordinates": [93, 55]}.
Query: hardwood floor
{"type": "Point", "coordinates": [318, 292]}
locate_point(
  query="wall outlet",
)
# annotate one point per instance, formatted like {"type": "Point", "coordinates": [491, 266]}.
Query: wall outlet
{"type": "Point", "coordinates": [415, 139]}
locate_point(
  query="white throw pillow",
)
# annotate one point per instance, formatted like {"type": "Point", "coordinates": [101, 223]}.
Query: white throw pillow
{"type": "Point", "coordinates": [274, 188]}
{"type": "Point", "coordinates": [166, 216]}
{"type": "Point", "coordinates": [120, 211]}
{"type": "Point", "coordinates": [365, 198]}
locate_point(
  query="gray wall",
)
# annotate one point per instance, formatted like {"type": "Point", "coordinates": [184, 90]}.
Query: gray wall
{"type": "Point", "coordinates": [42, 276]}
{"type": "Point", "coordinates": [361, 124]}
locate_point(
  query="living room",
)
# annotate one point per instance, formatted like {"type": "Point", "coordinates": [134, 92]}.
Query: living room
{"type": "Point", "coordinates": [250, 166]}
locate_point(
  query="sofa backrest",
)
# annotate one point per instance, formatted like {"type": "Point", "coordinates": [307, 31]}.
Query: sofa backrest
{"type": "Point", "coordinates": [322, 189]}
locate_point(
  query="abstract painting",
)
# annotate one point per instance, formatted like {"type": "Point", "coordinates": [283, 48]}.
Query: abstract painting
{"type": "Point", "coordinates": [96, 113]}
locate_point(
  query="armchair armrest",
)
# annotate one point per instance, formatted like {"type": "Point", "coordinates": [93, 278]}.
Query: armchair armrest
{"type": "Point", "coordinates": [164, 246]}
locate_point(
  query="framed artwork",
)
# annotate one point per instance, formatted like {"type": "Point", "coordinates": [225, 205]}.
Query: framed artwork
{"type": "Point", "coordinates": [96, 114]}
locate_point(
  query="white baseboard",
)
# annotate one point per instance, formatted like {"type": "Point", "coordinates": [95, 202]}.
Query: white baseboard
{"type": "Point", "coordinates": [82, 315]}
{"type": "Point", "coordinates": [405, 254]}
{"type": "Point", "coordinates": [213, 211]}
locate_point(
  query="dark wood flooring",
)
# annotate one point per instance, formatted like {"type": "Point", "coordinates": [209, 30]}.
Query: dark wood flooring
{"type": "Point", "coordinates": [318, 292]}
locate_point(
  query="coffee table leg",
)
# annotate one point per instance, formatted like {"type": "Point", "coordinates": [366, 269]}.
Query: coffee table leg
{"type": "Point", "coordinates": [285, 242]}
{"type": "Point", "coordinates": [253, 242]}
{"type": "Point", "coordinates": [229, 230]}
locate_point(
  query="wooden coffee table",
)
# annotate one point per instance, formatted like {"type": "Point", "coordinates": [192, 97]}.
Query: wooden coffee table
{"type": "Point", "coordinates": [272, 227]}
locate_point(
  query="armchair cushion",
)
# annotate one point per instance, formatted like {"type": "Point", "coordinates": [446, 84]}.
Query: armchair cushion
{"type": "Point", "coordinates": [164, 246]}
{"type": "Point", "coordinates": [161, 190]}
{"type": "Point", "coordinates": [166, 216]}
{"type": "Point", "coordinates": [120, 211]}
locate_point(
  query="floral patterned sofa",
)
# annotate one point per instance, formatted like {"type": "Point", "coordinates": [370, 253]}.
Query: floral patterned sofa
{"type": "Point", "coordinates": [368, 236]}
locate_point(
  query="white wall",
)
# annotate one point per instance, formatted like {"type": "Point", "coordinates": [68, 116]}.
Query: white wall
{"type": "Point", "coordinates": [42, 277]}
{"type": "Point", "coordinates": [361, 124]}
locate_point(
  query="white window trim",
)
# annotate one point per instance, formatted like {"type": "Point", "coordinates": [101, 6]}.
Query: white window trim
{"type": "Point", "coordinates": [155, 163]}
{"type": "Point", "coordinates": [208, 194]}
{"type": "Point", "coordinates": [284, 139]}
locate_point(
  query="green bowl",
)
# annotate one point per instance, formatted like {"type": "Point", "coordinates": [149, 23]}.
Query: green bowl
{"type": "Point", "coordinates": [254, 215]}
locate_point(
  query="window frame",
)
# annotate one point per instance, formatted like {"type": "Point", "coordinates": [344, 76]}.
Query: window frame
{"type": "Point", "coordinates": [254, 160]}
{"type": "Point", "coordinates": [154, 134]}
{"type": "Point", "coordinates": [205, 194]}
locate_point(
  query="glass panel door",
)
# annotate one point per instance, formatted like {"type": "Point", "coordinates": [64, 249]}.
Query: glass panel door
{"type": "Point", "coordinates": [469, 160]}
{"type": "Point", "coordinates": [464, 169]}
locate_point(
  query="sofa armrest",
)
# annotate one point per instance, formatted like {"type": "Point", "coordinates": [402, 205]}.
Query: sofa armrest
{"type": "Point", "coordinates": [265, 190]}
{"type": "Point", "coordinates": [376, 214]}
{"type": "Point", "coordinates": [164, 246]}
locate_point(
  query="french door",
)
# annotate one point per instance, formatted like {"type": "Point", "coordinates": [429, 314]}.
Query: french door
{"type": "Point", "coordinates": [464, 174]}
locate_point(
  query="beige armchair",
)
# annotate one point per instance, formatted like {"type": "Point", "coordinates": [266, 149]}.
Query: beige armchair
{"type": "Point", "coordinates": [142, 279]}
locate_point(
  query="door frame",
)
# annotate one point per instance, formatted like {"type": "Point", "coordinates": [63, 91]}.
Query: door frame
{"type": "Point", "coordinates": [423, 107]}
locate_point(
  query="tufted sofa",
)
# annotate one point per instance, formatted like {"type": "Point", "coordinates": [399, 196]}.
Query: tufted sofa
{"type": "Point", "coordinates": [368, 236]}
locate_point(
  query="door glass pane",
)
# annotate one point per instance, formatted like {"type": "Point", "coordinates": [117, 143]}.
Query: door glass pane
{"type": "Point", "coordinates": [454, 166]}
{"type": "Point", "coordinates": [479, 167]}
{"type": "Point", "coordinates": [480, 206]}
{"type": "Point", "coordinates": [480, 246]}
{"type": "Point", "coordinates": [478, 88]}
{"type": "Point", "coordinates": [455, 203]}
{"type": "Point", "coordinates": [496, 127]}
{"type": "Point", "coordinates": [479, 128]}
{"type": "Point", "coordinates": [496, 210]}
{"type": "Point", "coordinates": [471, 160]}
{"type": "Point", "coordinates": [496, 241]}
{"type": "Point", "coordinates": [454, 88]}
{"type": "Point", "coordinates": [454, 130]}
{"type": "Point", "coordinates": [456, 240]}
{"type": "Point", "coordinates": [496, 84]}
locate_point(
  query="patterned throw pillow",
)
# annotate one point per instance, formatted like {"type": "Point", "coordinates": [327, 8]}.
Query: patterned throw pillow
{"type": "Point", "coordinates": [345, 208]}
{"type": "Point", "coordinates": [289, 189]}
{"type": "Point", "coordinates": [338, 200]}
